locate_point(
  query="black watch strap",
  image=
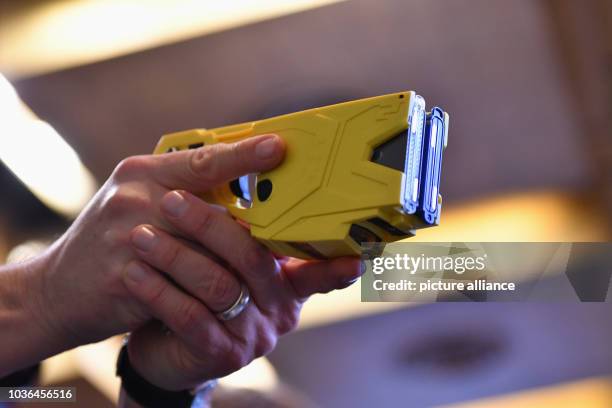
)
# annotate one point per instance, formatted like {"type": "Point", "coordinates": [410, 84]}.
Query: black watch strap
{"type": "Point", "coordinates": [143, 392]}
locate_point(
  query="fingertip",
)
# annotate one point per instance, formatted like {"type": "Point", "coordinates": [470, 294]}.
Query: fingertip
{"type": "Point", "coordinates": [135, 273]}
{"type": "Point", "coordinates": [348, 270]}
{"type": "Point", "coordinates": [143, 237]}
{"type": "Point", "coordinates": [174, 203]}
{"type": "Point", "coordinates": [219, 208]}
{"type": "Point", "coordinates": [269, 148]}
{"type": "Point", "coordinates": [279, 140]}
{"type": "Point", "coordinates": [353, 267]}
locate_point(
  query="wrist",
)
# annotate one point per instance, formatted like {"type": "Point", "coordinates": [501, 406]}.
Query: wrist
{"type": "Point", "coordinates": [137, 390]}
{"type": "Point", "coordinates": [15, 349]}
{"type": "Point", "coordinates": [25, 314]}
{"type": "Point", "coordinates": [42, 306]}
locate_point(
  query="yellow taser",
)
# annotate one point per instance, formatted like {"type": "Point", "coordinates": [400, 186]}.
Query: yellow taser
{"type": "Point", "coordinates": [361, 171]}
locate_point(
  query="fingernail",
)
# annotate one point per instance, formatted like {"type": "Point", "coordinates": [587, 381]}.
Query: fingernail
{"type": "Point", "coordinates": [362, 270]}
{"type": "Point", "coordinates": [266, 149]}
{"type": "Point", "coordinates": [174, 204]}
{"type": "Point", "coordinates": [218, 207]}
{"type": "Point", "coordinates": [144, 239]}
{"type": "Point", "coordinates": [136, 272]}
{"type": "Point", "coordinates": [351, 281]}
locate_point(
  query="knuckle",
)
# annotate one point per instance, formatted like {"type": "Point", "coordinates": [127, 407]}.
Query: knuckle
{"type": "Point", "coordinates": [210, 345]}
{"type": "Point", "coordinates": [288, 321]}
{"type": "Point", "coordinates": [237, 153]}
{"type": "Point", "coordinates": [205, 222]}
{"type": "Point", "coordinates": [203, 163]}
{"type": "Point", "coordinates": [222, 288]}
{"type": "Point", "coordinates": [171, 255]}
{"type": "Point", "coordinates": [189, 317]}
{"type": "Point", "coordinates": [130, 166]}
{"type": "Point", "coordinates": [257, 257]}
{"type": "Point", "coordinates": [114, 238]}
{"type": "Point", "coordinates": [156, 294]}
{"type": "Point", "coordinates": [124, 200]}
{"type": "Point", "coordinates": [236, 358]}
{"type": "Point", "coordinates": [266, 341]}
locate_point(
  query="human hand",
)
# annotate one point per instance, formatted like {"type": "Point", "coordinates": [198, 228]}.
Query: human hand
{"type": "Point", "coordinates": [200, 346]}
{"type": "Point", "coordinates": [76, 288]}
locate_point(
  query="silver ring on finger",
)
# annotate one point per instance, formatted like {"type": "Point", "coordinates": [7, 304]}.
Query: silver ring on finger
{"type": "Point", "coordinates": [239, 305]}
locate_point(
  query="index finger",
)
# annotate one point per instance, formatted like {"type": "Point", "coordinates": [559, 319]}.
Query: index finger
{"type": "Point", "coordinates": [201, 169]}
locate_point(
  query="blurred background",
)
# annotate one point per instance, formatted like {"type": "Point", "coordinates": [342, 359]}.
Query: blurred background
{"type": "Point", "coordinates": [528, 85]}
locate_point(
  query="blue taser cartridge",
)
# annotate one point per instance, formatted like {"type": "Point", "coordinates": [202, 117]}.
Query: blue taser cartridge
{"type": "Point", "coordinates": [435, 140]}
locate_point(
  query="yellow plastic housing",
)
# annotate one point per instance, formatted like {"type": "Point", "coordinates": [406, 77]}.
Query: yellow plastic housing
{"type": "Point", "coordinates": [327, 190]}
